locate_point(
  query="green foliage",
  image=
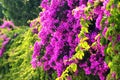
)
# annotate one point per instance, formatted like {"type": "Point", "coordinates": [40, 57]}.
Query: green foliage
{"type": "Point", "coordinates": [112, 55]}
{"type": "Point", "coordinates": [103, 41]}
{"type": "Point", "coordinates": [80, 49]}
{"type": "Point", "coordinates": [20, 11]}
{"type": "Point", "coordinates": [15, 63]}
{"type": "Point", "coordinates": [69, 70]}
{"type": "Point", "coordinates": [1, 14]}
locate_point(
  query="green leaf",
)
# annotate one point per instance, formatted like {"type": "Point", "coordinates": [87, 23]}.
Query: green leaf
{"type": "Point", "coordinates": [84, 45]}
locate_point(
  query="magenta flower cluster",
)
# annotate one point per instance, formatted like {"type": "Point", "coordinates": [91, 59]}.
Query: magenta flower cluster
{"type": "Point", "coordinates": [60, 21]}
{"type": "Point", "coordinates": [59, 35]}
{"type": "Point", "coordinates": [95, 63]}
{"type": "Point", "coordinates": [7, 24]}
{"type": "Point", "coordinates": [5, 40]}
{"type": "Point", "coordinates": [3, 37]}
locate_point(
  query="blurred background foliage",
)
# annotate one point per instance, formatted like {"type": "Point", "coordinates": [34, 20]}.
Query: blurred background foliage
{"type": "Point", "coordinates": [1, 14]}
{"type": "Point", "coordinates": [20, 11]}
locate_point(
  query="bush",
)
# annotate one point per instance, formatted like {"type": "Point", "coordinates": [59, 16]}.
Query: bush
{"type": "Point", "coordinates": [17, 56]}
{"type": "Point", "coordinates": [20, 11]}
{"type": "Point", "coordinates": [1, 14]}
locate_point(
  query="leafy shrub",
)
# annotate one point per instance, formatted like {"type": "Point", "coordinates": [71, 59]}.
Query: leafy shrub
{"type": "Point", "coordinates": [15, 62]}
{"type": "Point", "coordinates": [1, 14]}
{"type": "Point", "coordinates": [20, 11]}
